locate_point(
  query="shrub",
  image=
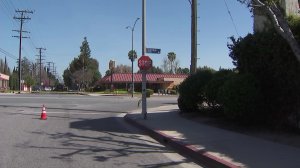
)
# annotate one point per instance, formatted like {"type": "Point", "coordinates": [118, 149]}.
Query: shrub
{"type": "Point", "coordinates": [269, 58]}
{"type": "Point", "coordinates": [149, 92]}
{"type": "Point", "coordinates": [99, 88]}
{"type": "Point", "coordinates": [213, 86]}
{"type": "Point", "coordinates": [191, 90]}
{"type": "Point", "coordinates": [241, 99]}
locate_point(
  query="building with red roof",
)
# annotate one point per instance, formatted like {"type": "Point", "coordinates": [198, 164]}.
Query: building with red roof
{"type": "Point", "coordinates": [154, 81]}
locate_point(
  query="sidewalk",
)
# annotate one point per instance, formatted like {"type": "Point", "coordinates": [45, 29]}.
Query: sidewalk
{"type": "Point", "coordinates": [214, 147]}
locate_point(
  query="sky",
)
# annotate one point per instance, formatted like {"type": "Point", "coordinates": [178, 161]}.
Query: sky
{"type": "Point", "coordinates": [61, 25]}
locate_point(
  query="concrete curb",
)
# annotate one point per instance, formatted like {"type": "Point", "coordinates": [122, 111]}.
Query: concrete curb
{"type": "Point", "coordinates": [201, 156]}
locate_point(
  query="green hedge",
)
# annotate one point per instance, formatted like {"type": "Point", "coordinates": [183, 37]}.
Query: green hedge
{"type": "Point", "coordinates": [270, 59]}
{"type": "Point", "coordinates": [191, 90]}
{"type": "Point", "coordinates": [241, 99]}
{"type": "Point", "coordinates": [212, 88]}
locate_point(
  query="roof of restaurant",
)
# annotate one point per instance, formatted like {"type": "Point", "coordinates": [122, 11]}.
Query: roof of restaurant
{"type": "Point", "coordinates": [126, 77]}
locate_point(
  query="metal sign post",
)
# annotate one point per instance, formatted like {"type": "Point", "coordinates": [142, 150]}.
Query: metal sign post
{"type": "Point", "coordinates": [144, 103]}
{"type": "Point", "coordinates": [144, 99]}
{"type": "Point", "coordinates": [144, 63]}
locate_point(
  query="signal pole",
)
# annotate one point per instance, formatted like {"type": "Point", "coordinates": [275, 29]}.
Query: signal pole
{"type": "Point", "coordinates": [40, 62]}
{"type": "Point", "coordinates": [22, 18]}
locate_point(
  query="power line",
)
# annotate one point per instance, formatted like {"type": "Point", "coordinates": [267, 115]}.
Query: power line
{"type": "Point", "coordinates": [7, 11]}
{"type": "Point", "coordinates": [10, 4]}
{"type": "Point", "coordinates": [231, 18]}
{"type": "Point", "coordinates": [8, 54]}
{"type": "Point", "coordinates": [8, 8]}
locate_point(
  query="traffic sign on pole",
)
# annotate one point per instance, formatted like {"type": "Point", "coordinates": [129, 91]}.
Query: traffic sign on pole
{"type": "Point", "coordinates": [144, 62]}
{"type": "Point", "coordinates": [153, 50]}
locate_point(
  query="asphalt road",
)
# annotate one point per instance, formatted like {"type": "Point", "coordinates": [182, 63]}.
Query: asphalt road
{"type": "Point", "coordinates": [80, 132]}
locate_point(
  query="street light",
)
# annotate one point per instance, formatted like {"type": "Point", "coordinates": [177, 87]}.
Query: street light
{"type": "Point", "coordinates": [133, 55]}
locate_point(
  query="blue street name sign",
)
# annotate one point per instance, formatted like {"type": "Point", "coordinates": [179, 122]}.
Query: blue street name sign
{"type": "Point", "coordinates": [153, 50]}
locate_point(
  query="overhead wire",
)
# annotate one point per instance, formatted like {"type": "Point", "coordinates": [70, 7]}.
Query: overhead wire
{"type": "Point", "coordinates": [9, 9]}
{"type": "Point", "coordinates": [6, 53]}
{"type": "Point", "coordinates": [234, 25]}
{"type": "Point", "coordinates": [8, 12]}
{"type": "Point", "coordinates": [34, 31]}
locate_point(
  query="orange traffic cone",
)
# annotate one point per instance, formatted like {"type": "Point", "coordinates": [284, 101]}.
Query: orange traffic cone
{"type": "Point", "coordinates": [44, 114]}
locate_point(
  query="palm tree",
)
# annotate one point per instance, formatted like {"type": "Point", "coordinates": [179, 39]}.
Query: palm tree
{"type": "Point", "coordinates": [132, 55]}
{"type": "Point", "coordinates": [171, 57]}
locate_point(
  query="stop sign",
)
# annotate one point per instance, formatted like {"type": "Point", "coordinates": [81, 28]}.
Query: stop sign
{"type": "Point", "coordinates": [144, 62]}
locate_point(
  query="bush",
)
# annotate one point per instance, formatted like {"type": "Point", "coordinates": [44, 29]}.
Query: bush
{"type": "Point", "coordinates": [241, 99]}
{"type": "Point", "coordinates": [213, 86]}
{"type": "Point", "coordinates": [99, 88]}
{"type": "Point", "coordinates": [191, 90]}
{"type": "Point", "coordinates": [149, 92]}
{"type": "Point", "coordinates": [269, 58]}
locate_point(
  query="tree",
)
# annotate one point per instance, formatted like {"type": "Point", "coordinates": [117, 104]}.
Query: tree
{"type": "Point", "coordinates": [270, 59]}
{"type": "Point", "coordinates": [170, 65]}
{"type": "Point", "coordinates": [166, 65]}
{"type": "Point", "coordinates": [171, 56]}
{"type": "Point", "coordinates": [4, 67]}
{"type": "Point", "coordinates": [176, 65]}
{"type": "Point", "coordinates": [122, 69]}
{"type": "Point", "coordinates": [132, 55]}
{"type": "Point", "coordinates": [107, 72]}
{"type": "Point", "coordinates": [29, 81]}
{"type": "Point", "coordinates": [83, 70]}
{"type": "Point", "coordinates": [182, 70]}
{"type": "Point", "coordinates": [1, 66]}
{"type": "Point", "coordinates": [272, 9]}
{"type": "Point", "coordinates": [67, 76]}
{"type": "Point", "coordinates": [26, 66]}
{"type": "Point", "coordinates": [13, 79]}
{"type": "Point", "coordinates": [155, 70]}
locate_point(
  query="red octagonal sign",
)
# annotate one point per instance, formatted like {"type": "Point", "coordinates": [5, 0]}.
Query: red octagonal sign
{"type": "Point", "coordinates": [144, 62]}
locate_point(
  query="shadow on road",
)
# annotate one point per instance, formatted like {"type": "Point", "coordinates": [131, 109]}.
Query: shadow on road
{"type": "Point", "coordinates": [107, 140]}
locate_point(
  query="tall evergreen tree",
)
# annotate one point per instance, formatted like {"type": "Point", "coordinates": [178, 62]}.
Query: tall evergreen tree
{"type": "Point", "coordinates": [1, 66]}
{"type": "Point", "coordinates": [83, 70]}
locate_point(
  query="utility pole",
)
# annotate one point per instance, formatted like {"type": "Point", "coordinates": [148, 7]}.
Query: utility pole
{"type": "Point", "coordinates": [22, 18]}
{"type": "Point", "coordinates": [144, 77]}
{"type": "Point", "coordinates": [40, 62]}
{"type": "Point", "coordinates": [49, 71]}
{"type": "Point", "coordinates": [193, 67]}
